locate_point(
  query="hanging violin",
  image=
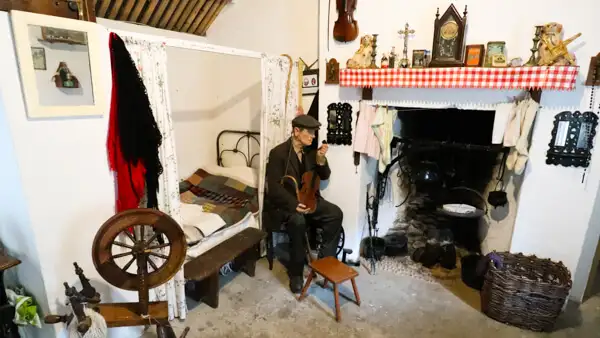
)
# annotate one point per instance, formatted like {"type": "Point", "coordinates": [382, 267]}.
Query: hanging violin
{"type": "Point", "coordinates": [345, 28]}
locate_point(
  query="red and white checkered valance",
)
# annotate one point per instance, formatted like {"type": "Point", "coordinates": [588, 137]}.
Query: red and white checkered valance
{"type": "Point", "coordinates": [547, 77]}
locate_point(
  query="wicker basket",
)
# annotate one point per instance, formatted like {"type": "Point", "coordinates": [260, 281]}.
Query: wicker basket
{"type": "Point", "coordinates": [525, 291]}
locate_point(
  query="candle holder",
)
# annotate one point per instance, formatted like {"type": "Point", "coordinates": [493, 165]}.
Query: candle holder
{"type": "Point", "coordinates": [533, 60]}
{"type": "Point", "coordinates": [374, 53]}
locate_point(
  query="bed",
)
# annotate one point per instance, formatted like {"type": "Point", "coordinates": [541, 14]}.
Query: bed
{"type": "Point", "coordinates": [221, 200]}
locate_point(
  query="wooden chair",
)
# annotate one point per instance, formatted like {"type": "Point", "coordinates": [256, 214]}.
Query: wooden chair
{"type": "Point", "coordinates": [336, 272]}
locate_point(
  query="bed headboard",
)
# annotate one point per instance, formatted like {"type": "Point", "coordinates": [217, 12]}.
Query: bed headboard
{"type": "Point", "coordinates": [238, 136]}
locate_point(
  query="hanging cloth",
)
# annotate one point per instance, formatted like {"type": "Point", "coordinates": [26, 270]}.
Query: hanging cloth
{"type": "Point", "coordinates": [133, 135]}
{"type": "Point", "coordinates": [365, 141]}
{"type": "Point", "coordinates": [383, 127]}
{"type": "Point", "coordinates": [526, 112]}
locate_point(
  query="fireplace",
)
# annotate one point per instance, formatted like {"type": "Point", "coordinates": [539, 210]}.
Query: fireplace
{"type": "Point", "coordinates": [446, 158]}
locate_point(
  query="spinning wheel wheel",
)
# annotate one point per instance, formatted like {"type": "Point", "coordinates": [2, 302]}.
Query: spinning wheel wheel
{"type": "Point", "coordinates": [156, 244]}
{"type": "Point", "coordinates": [142, 247]}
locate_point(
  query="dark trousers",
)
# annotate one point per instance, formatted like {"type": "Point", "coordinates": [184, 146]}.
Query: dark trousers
{"type": "Point", "coordinates": [328, 217]}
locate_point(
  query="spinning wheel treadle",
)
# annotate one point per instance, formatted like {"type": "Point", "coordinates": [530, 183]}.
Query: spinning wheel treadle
{"type": "Point", "coordinates": [138, 249]}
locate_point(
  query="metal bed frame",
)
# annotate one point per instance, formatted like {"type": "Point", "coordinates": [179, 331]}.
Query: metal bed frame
{"type": "Point", "coordinates": [245, 134]}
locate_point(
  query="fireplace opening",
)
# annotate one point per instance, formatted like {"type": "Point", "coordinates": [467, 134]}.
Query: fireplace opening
{"type": "Point", "coordinates": [446, 160]}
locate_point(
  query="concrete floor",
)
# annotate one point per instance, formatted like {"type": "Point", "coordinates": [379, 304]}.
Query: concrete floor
{"type": "Point", "coordinates": [392, 306]}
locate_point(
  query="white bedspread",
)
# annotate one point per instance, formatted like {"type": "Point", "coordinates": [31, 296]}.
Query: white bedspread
{"type": "Point", "coordinates": [202, 228]}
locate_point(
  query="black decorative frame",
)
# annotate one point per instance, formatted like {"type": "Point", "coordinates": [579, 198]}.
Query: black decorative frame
{"type": "Point", "coordinates": [572, 153]}
{"type": "Point", "coordinates": [339, 123]}
{"type": "Point", "coordinates": [245, 134]}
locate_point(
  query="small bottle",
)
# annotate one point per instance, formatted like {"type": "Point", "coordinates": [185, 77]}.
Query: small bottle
{"type": "Point", "coordinates": [384, 61]}
{"type": "Point", "coordinates": [393, 58]}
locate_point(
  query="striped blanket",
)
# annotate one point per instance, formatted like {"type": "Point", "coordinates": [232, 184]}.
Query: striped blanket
{"type": "Point", "coordinates": [224, 196]}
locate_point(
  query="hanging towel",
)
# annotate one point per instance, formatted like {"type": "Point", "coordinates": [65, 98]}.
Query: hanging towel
{"type": "Point", "coordinates": [513, 125]}
{"type": "Point", "coordinates": [365, 141]}
{"type": "Point", "coordinates": [527, 110]}
{"type": "Point", "coordinates": [503, 112]}
{"type": "Point", "coordinates": [383, 127]}
{"type": "Point", "coordinates": [133, 135]}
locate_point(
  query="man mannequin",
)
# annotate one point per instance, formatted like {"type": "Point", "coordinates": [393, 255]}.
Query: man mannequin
{"type": "Point", "coordinates": [293, 158]}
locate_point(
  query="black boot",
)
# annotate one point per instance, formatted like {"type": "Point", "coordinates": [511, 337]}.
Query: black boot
{"type": "Point", "coordinates": [433, 250]}
{"type": "Point", "coordinates": [296, 284]}
{"type": "Point", "coordinates": [448, 254]}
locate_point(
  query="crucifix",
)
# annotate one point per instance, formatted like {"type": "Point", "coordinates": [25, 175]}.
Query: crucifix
{"type": "Point", "coordinates": [404, 63]}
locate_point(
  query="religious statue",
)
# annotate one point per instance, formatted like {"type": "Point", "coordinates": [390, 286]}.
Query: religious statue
{"type": "Point", "coordinates": [404, 63]}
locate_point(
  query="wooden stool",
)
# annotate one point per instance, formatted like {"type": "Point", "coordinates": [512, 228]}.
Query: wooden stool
{"type": "Point", "coordinates": [335, 272]}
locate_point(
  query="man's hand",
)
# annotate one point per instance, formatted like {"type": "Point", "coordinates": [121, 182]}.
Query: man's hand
{"type": "Point", "coordinates": [301, 208]}
{"type": "Point", "coordinates": [321, 154]}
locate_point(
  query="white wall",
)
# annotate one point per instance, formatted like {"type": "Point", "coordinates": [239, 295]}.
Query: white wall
{"type": "Point", "coordinates": [270, 26]}
{"type": "Point", "coordinates": [554, 206]}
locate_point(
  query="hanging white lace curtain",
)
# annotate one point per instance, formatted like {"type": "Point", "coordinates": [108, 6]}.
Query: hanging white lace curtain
{"type": "Point", "coordinates": [276, 117]}
{"type": "Point", "coordinates": [151, 61]}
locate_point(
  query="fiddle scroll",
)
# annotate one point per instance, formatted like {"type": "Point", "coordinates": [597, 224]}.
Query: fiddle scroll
{"type": "Point", "coordinates": [345, 28]}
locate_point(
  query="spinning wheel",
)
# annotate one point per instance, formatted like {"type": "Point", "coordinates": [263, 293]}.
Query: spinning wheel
{"type": "Point", "coordinates": [156, 244]}
{"type": "Point", "coordinates": [139, 249]}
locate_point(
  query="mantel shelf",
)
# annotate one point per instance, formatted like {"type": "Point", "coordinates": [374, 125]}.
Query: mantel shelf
{"type": "Point", "coordinates": [519, 78]}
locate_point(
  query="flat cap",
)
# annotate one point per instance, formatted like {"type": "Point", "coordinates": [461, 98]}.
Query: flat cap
{"type": "Point", "coordinates": [305, 121]}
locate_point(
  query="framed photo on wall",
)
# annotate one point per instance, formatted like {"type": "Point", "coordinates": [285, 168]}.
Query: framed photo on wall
{"type": "Point", "coordinates": [310, 82]}
{"type": "Point", "coordinates": [59, 64]}
{"type": "Point", "coordinates": [38, 55]}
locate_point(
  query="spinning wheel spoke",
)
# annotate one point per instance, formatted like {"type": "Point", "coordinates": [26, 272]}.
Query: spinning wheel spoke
{"type": "Point", "coordinates": [158, 255]}
{"type": "Point", "coordinates": [151, 239]}
{"type": "Point", "coordinates": [126, 267]}
{"type": "Point", "coordinates": [160, 246]}
{"type": "Point", "coordinates": [124, 254]}
{"type": "Point", "coordinates": [142, 232]}
{"type": "Point", "coordinates": [152, 264]}
{"type": "Point", "coordinates": [123, 245]}
{"type": "Point", "coordinates": [131, 237]}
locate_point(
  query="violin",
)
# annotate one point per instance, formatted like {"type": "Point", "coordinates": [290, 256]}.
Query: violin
{"type": "Point", "coordinates": [345, 28]}
{"type": "Point", "coordinates": [307, 194]}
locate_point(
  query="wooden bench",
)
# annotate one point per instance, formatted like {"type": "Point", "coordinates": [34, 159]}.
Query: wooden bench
{"type": "Point", "coordinates": [202, 273]}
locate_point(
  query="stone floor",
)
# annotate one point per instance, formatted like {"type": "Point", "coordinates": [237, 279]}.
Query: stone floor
{"type": "Point", "coordinates": [392, 306]}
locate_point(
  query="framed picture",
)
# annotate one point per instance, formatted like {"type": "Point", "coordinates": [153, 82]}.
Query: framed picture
{"type": "Point", "coordinates": [418, 58]}
{"type": "Point", "coordinates": [38, 54]}
{"type": "Point", "coordinates": [474, 55]}
{"type": "Point", "coordinates": [59, 64]}
{"type": "Point", "coordinates": [310, 82]}
{"type": "Point", "coordinates": [494, 48]}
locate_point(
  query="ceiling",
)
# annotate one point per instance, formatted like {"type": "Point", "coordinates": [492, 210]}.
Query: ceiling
{"type": "Point", "coordinates": [187, 16]}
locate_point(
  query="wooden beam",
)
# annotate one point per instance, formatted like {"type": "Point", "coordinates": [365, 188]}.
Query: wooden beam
{"type": "Point", "coordinates": [148, 12]}
{"type": "Point", "coordinates": [213, 17]}
{"type": "Point", "coordinates": [211, 11]}
{"type": "Point", "coordinates": [168, 13]}
{"type": "Point", "coordinates": [190, 17]}
{"type": "Point", "coordinates": [198, 20]}
{"type": "Point", "coordinates": [115, 9]}
{"type": "Point", "coordinates": [126, 11]}
{"type": "Point", "coordinates": [60, 9]}
{"type": "Point", "coordinates": [135, 14]}
{"type": "Point", "coordinates": [104, 4]}
{"type": "Point", "coordinates": [158, 12]}
{"type": "Point", "coordinates": [183, 4]}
